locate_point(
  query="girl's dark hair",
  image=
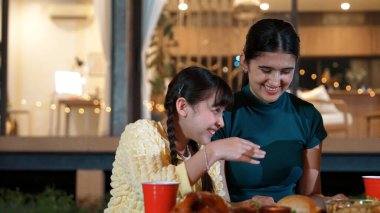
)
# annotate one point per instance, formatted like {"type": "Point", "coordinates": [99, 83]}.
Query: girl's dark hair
{"type": "Point", "coordinates": [195, 84]}
{"type": "Point", "coordinates": [270, 35]}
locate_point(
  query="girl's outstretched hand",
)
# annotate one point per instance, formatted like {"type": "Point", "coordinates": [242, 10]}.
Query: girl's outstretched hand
{"type": "Point", "coordinates": [237, 149]}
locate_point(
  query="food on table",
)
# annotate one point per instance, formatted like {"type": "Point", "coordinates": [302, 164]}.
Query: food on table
{"type": "Point", "coordinates": [201, 202]}
{"type": "Point", "coordinates": [275, 209]}
{"type": "Point", "coordinates": [299, 204]}
{"type": "Point", "coordinates": [205, 202]}
{"type": "Point", "coordinates": [353, 206]}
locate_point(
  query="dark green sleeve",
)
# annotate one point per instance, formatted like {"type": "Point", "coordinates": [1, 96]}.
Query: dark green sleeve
{"type": "Point", "coordinates": [317, 131]}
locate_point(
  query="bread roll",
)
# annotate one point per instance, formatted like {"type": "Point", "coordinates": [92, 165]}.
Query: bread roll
{"type": "Point", "coordinates": [298, 203]}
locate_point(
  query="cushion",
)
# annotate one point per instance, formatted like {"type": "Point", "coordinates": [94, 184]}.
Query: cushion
{"type": "Point", "coordinates": [319, 94]}
{"type": "Point", "coordinates": [336, 118]}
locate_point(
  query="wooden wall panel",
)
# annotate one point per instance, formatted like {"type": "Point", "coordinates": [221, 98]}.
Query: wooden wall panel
{"type": "Point", "coordinates": [209, 41]}
{"type": "Point", "coordinates": [335, 41]}
{"type": "Point", "coordinates": [316, 41]}
{"type": "Point", "coordinates": [375, 33]}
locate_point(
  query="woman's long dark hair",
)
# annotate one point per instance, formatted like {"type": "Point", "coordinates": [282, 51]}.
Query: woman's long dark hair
{"type": "Point", "coordinates": [270, 35]}
{"type": "Point", "coordinates": [195, 84]}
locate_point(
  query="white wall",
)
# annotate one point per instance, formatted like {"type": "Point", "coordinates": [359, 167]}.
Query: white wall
{"type": "Point", "coordinates": [39, 45]}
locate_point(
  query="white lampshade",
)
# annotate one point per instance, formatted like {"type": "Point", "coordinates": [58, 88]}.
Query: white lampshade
{"type": "Point", "coordinates": [68, 82]}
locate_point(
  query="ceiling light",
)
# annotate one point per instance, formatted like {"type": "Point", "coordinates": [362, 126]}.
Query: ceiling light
{"type": "Point", "coordinates": [264, 6]}
{"type": "Point", "coordinates": [182, 5]}
{"type": "Point", "coordinates": [246, 10]}
{"type": "Point", "coordinates": [345, 6]}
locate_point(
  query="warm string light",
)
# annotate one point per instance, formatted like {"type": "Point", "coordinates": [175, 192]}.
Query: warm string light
{"type": "Point", "coordinates": [100, 105]}
{"type": "Point", "coordinates": [149, 105]}
{"type": "Point", "coordinates": [67, 110]}
{"type": "Point", "coordinates": [336, 84]}
{"type": "Point", "coordinates": [313, 76]}
{"type": "Point", "coordinates": [160, 107]}
{"type": "Point", "coordinates": [81, 111]}
{"type": "Point", "coordinates": [372, 94]}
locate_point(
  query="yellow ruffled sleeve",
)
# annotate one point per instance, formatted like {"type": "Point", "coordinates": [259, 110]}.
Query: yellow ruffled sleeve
{"type": "Point", "coordinates": [216, 173]}
{"type": "Point", "coordinates": [142, 155]}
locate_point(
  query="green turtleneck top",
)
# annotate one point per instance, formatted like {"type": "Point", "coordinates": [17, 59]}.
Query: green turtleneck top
{"type": "Point", "coordinates": [284, 129]}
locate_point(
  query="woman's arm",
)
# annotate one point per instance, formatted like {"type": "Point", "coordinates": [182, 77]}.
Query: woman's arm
{"type": "Point", "coordinates": [310, 182]}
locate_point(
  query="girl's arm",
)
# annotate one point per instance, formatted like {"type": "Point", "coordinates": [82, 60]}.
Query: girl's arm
{"type": "Point", "coordinates": [232, 149]}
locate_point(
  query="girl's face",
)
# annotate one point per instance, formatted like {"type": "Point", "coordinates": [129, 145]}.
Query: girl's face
{"type": "Point", "coordinates": [270, 74]}
{"type": "Point", "coordinates": [202, 120]}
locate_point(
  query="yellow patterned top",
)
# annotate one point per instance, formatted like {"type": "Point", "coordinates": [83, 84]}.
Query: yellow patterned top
{"type": "Point", "coordinates": [143, 154]}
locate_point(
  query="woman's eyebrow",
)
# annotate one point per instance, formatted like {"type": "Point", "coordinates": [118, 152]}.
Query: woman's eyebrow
{"type": "Point", "coordinates": [263, 66]}
{"type": "Point", "coordinates": [268, 67]}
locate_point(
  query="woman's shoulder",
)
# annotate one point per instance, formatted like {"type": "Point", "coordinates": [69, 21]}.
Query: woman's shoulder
{"type": "Point", "coordinates": [298, 101]}
{"type": "Point", "coordinates": [301, 105]}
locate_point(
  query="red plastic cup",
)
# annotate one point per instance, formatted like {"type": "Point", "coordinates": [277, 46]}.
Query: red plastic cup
{"type": "Point", "coordinates": [372, 186]}
{"type": "Point", "coordinates": [159, 196]}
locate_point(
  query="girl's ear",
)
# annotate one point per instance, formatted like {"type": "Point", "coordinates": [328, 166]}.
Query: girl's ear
{"type": "Point", "coordinates": [182, 107]}
{"type": "Point", "coordinates": [243, 63]}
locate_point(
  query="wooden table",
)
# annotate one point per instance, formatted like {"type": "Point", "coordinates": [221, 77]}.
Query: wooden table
{"type": "Point", "coordinates": [351, 155]}
{"type": "Point", "coordinates": [90, 156]}
{"type": "Point", "coordinates": [71, 103]}
{"type": "Point", "coordinates": [369, 117]}
{"type": "Point", "coordinates": [358, 105]}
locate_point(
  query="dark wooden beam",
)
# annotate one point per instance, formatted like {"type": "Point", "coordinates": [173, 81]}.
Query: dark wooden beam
{"type": "Point", "coordinates": [3, 65]}
{"type": "Point", "coordinates": [294, 20]}
{"type": "Point", "coordinates": [134, 68]}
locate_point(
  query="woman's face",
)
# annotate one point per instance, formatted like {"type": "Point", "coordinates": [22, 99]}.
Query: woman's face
{"type": "Point", "coordinates": [270, 74]}
{"type": "Point", "coordinates": [202, 120]}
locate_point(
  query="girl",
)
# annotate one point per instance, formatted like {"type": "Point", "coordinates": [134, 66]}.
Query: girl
{"type": "Point", "coordinates": [170, 149]}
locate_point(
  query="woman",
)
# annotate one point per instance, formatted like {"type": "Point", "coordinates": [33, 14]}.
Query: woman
{"type": "Point", "coordinates": [169, 150]}
{"type": "Point", "coordinates": [289, 129]}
